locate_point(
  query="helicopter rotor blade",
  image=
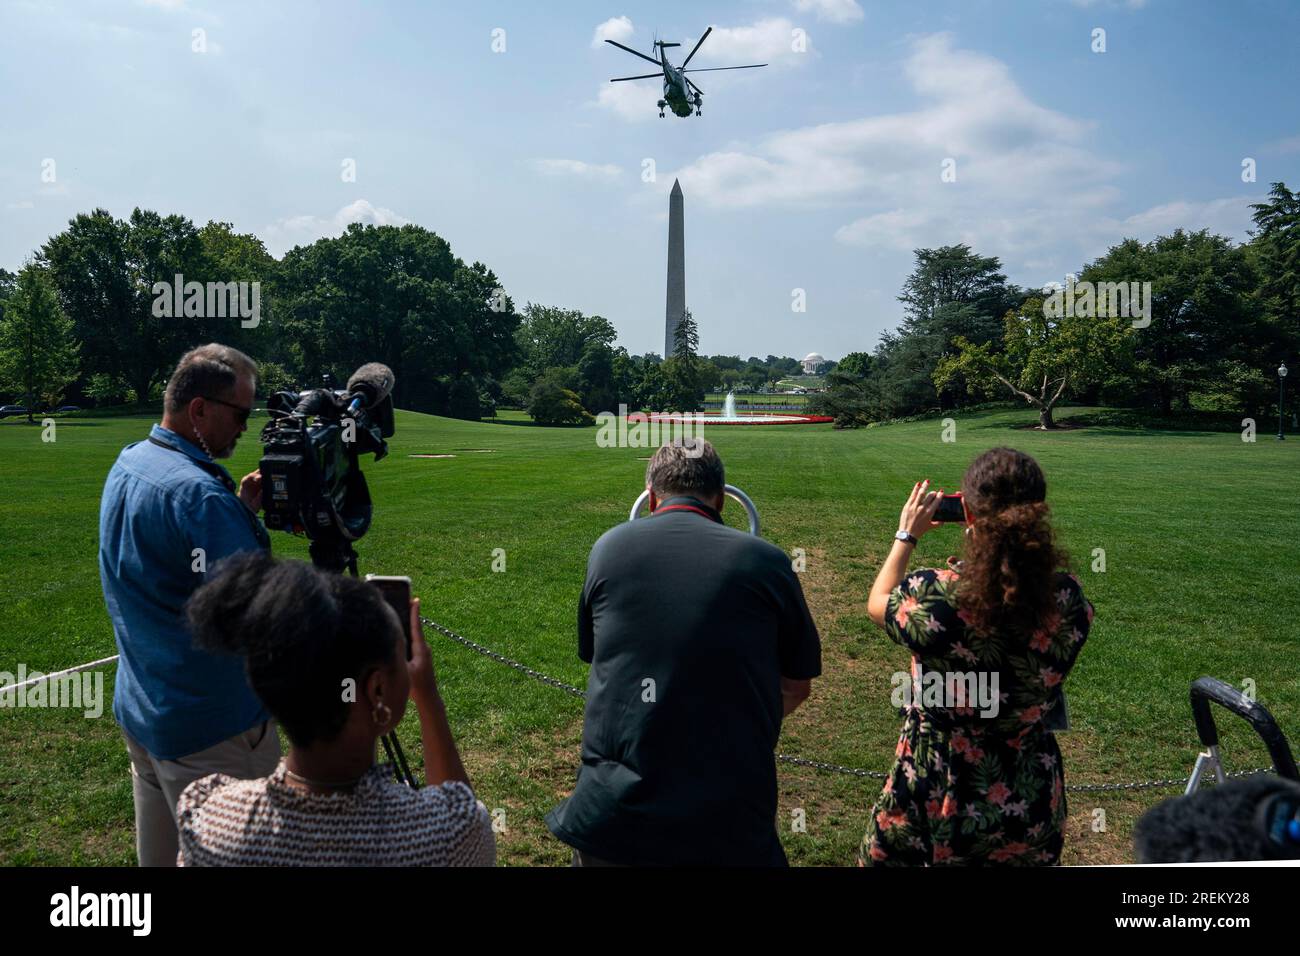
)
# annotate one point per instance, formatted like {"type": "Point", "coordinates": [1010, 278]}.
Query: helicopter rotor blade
{"type": "Point", "coordinates": [644, 76]}
{"type": "Point", "coordinates": [711, 69]}
{"type": "Point", "coordinates": [692, 85]}
{"type": "Point", "coordinates": [696, 47]}
{"type": "Point", "coordinates": [635, 53]}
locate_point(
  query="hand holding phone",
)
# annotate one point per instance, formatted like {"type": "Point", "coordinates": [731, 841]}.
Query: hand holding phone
{"type": "Point", "coordinates": [424, 682]}
{"type": "Point", "coordinates": [396, 591]}
{"type": "Point", "coordinates": [951, 510]}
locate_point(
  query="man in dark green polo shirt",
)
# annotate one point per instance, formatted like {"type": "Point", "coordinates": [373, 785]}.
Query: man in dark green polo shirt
{"type": "Point", "coordinates": [700, 642]}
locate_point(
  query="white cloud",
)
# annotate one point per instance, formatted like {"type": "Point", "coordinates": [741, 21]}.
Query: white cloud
{"type": "Point", "coordinates": [897, 228]}
{"type": "Point", "coordinates": [1289, 145]}
{"type": "Point", "coordinates": [633, 101]}
{"type": "Point", "coordinates": [21, 204]}
{"type": "Point", "coordinates": [1022, 170]}
{"type": "Point", "coordinates": [1227, 217]}
{"type": "Point", "coordinates": [1033, 185]}
{"type": "Point", "coordinates": [770, 40]}
{"type": "Point", "coordinates": [576, 167]}
{"type": "Point", "coordinates": [833, 11]}
{"type": "Point", "coordinates": [618, 29]}
{"type": "Point", "coordinates": [974, 114]}
{"type": "Point", "coordinates": [284, 234]}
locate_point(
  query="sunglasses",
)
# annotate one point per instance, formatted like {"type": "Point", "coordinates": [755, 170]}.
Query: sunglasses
{"type": "Point", "coordinates": [241, 412]}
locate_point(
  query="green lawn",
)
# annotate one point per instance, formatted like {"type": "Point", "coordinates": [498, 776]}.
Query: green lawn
{"type": "Point", "coordinates": [1200, 533]}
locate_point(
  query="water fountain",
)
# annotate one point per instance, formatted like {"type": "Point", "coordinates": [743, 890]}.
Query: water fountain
{"type": "Point", "coordinates": [728, 416]}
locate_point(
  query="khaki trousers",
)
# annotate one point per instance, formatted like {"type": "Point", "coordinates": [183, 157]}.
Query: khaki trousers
{"type": "Point", "coordinates": [157, 784]}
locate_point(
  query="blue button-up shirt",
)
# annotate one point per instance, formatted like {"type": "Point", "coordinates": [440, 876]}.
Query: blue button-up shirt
{"type": "Point", "coordinates": [165, 524]}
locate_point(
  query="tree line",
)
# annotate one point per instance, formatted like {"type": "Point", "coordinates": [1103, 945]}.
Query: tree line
{"type": "Point", "coordinates": [102, 311]}
{"type": "Point", "coordinates": [1187, 321]}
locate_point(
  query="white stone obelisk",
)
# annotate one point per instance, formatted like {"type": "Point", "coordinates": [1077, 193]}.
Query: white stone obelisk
{"type": "Point", "coordinates": [676, 303]}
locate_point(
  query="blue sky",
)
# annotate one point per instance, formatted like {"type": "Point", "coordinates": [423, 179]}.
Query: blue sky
{"type": "Point", "coordinates": [820, 172]}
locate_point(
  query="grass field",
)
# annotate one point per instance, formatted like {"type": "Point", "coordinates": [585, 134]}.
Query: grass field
{"type": "Point", "coordinates": [1201, 540]}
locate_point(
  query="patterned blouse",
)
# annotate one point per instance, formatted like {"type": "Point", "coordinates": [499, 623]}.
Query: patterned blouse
{"type": "Point", "coordinates": [978, 776]}
{"type": "Point", "coordinates": [269, 822]}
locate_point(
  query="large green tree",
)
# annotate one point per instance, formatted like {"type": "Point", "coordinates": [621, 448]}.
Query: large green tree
{"type": "Point", "coordinates": [1277, 239]}
{"type": "Point", "coordinates": [395, 295]}
{"type": "Point", "coordinates": [1204, 318]}
{"type": "Point", "coordinates": [38, 350]}
{"type": "Point", "coordinates": [550, 338]}
{"type": "Point", "coordinates": [951, 292]}
{"type": "Point", "coordinates": [242, 257]}
{"type": "Point", "coordinates": [1276, 253]}
{"type": "Point", "coordinates": [106, 269]}
{"type": "Point", "coordinates": [1042, 356]}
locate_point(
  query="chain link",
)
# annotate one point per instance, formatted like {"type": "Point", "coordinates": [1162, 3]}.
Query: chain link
{"type": "Point", "coordinates": [804, 761]}
{"type": "Point", "coordinates": [502, 659]}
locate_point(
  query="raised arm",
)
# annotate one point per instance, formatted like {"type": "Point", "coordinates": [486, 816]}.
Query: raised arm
{"type": "Point", "coordinates": [916, 519]}
{"type": "Point", "coordinates": [441, 759]}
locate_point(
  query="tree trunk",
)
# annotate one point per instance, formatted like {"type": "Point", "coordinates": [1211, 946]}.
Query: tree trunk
{"type": "Point", "coordinates": [141, 387]}
{"type": "Point", "coordinates": [1045, 417]}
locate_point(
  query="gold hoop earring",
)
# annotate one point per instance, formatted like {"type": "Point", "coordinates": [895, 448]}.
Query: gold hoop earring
{"type": "Point", "coordinates": [387, 714]}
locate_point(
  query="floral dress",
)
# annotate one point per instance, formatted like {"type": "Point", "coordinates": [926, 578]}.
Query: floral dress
{"type": "Point", "coordinates": [974, 782]}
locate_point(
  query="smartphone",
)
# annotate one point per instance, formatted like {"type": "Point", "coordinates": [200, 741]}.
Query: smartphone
{"type": "Point", "coordinates": [397, 592]}
{"type": "Point", "coordinates": [951, 509]}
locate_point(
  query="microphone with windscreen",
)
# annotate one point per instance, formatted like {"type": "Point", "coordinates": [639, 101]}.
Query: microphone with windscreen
{"type": "Point", "coordinates": [371, 389]}
{"type": "Point", "coordinates": [1257, 818]}
{"type": "Point", "coordinates": [373, 382]}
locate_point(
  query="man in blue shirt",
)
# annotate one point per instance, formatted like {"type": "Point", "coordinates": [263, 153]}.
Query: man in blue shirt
{"type": "Point", "coordinates": [168, 517]}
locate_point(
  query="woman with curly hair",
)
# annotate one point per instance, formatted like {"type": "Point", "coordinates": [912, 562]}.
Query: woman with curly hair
{"type": "Point", "coordinates": [979, 781]}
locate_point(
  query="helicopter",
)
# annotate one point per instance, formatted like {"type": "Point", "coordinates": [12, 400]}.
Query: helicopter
{"type": "Point", "coordinates": [680, 92]}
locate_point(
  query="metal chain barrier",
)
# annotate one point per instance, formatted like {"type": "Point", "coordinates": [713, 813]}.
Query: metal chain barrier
{"type": "Point", "coordinates": [803, 761]}
{"type": "Point", "coordinates": [784, 758]}
{"type": "Point", "coordinates": [500, 659]}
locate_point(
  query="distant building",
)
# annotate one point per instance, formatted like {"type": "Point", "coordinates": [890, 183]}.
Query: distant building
{"type": "Point", "coordinates": [811, 362]}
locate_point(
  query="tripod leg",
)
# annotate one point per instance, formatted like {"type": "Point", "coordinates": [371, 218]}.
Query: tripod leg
{"type": "Point", "coordinates": [388, 749]}
{"type": "Point", "coordinates": [401, 769]}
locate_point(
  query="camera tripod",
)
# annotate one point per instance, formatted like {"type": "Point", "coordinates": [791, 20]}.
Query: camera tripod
{"type": "Point", "coordinates": [335, 554]}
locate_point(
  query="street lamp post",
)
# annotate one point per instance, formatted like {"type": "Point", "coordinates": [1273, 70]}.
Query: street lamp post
{"type": "Point", "coordinates": [1281, 394]}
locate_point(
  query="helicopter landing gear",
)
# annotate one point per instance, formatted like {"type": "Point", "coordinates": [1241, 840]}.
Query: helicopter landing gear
{"type": "Point", "coordinates": [661, 114]}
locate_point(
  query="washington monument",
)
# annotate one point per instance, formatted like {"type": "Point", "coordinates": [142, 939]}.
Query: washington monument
{"type": "Point", "coordinates": [676, 303]}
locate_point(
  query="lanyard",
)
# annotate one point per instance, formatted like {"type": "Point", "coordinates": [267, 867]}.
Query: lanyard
{"type": "Point", "coordinates": [212, 468]}
{"type": "Point", "coordinates": [699, 511]}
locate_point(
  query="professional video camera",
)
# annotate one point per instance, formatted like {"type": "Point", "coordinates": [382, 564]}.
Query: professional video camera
{"type": "Point", "coordinates": [311, 478]}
